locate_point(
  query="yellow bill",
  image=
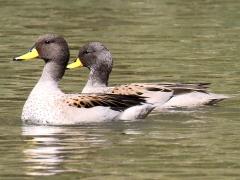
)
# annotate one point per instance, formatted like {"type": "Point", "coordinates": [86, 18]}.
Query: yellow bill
{"type": "Point", "coordinates": [76, 63]}
{"type": "Point", "coordinates": [29, 55]}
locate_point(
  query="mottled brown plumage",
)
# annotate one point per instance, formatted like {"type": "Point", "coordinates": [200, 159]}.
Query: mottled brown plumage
{"type": "Point", "coordinates": [114, 101]}
{"type": "Point", "coordinates": [137, 89]}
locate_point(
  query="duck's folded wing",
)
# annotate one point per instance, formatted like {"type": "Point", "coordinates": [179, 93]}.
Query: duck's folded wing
{"type": "Point", "coordinates": [183, 88]}
{"type": "Point", "coordinates": [138, 89]}
{"type": "Point", "coordinates": [186, 85]}
{"type": "Point", "coordinates": [114, 101]}
{"type": "Point", "coordinates": [177, 88]}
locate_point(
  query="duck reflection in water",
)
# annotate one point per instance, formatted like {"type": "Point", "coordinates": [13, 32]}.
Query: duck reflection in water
{"type": "Point", "coordinates": [48, 147]}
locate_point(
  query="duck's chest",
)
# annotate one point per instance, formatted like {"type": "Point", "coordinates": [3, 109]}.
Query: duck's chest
{"type": "Point", "coordinates": [40, 109]}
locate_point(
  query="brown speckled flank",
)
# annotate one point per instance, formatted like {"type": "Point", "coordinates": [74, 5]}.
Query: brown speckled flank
{"type": "Point", "coordinates": [137, 89]}
{"type": "Point", "coordinates": [114, 101]}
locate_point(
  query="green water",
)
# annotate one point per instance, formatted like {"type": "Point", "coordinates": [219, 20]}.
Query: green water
{"type": "Point", "coordinates": [151, 41]}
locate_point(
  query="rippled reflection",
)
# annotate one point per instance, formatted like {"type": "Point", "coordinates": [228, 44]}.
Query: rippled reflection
{"type": "Point", "coordinates": [49, 146]}
{"type": "Point", "coordinates": [43, 151]}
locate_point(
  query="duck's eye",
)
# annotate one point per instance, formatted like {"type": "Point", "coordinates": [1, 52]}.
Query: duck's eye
{"type": "Point", "coordinates": [88, 51]}
{"type": "Point", "coordinates": [47, 42]}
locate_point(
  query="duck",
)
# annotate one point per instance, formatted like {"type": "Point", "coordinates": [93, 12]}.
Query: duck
{"type": "Point", "coordinates": [48, 105]}
{"type": "Point", "coordinates": [98, 59]}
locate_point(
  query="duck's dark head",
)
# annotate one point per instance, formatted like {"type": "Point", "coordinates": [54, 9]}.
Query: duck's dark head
{"type": "Point", "coordinates": [50, 48]}
{"type": "Point", "coordinates": [98, 59]}
{"type": "Point", "coordinates": [94, 56]}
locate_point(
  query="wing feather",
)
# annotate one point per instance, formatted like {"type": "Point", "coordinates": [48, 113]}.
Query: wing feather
{"type": "Point", "coordinates": [176, 88]}
{"type": "Point", "coordinates": [114, 101]}
{"type": "Point", "coordinates": [138, 89]}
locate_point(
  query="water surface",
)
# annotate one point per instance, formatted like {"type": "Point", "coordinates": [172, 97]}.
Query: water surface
{"type": "Point", "coordinates": [151, 41]}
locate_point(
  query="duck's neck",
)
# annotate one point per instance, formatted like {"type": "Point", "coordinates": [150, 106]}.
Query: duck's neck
{"type": "Point", "coordinates": [52, 72]}
{"type": "Point", "coordinates": [98, 78]}
{"type": "Point", "coordinates": [51, 75]}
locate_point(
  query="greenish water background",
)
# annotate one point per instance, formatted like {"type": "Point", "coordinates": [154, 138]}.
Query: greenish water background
{"type": "Point", "coordinates": [151, 41]}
